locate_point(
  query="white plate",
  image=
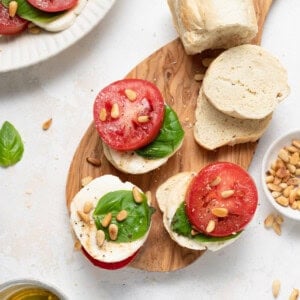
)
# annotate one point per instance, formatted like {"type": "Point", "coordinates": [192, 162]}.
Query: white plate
{"type": "Point", "coordinates": [28, 49]}
{"type": "Point", "coordinates": [270, 157]}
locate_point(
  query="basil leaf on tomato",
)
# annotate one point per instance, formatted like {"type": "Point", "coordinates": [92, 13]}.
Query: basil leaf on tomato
{"type": "Point", "coordinates": [30, 13]}
{"type": "Point", "coordinates": [11, 145]}
{"type": "Point", "coordinates": [169, 138]}
{"type": "Point", "coordinates": [137, 223]}
{"type": "Point", "coordinates": [181, 225]}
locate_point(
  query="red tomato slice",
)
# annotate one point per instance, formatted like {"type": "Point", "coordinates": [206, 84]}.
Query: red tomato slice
{"type": "Point", "coordinates": [10, 25]}
{"type": "Point", "coordinates": [202, 199]}
{"type": "Point", "coordinates": [53, 5]}
{"type": "Point", "coordinates": [109, 266]}
{"type": "Point", "coordinates": [128, 129]}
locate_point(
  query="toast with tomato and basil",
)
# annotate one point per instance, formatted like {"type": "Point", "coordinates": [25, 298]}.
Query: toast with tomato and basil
{"type": "Point", "coordinates": [139, 132]}
{"type": "Point", "coordinates": [210, 209]}
{"type": "Point", "coordinates": [111, 219]}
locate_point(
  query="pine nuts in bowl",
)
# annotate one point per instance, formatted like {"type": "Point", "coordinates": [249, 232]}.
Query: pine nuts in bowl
{"type": "Point", "coordinates": [281, 174]}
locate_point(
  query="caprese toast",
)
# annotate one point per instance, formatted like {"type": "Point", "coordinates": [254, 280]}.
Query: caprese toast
{"type": "Point", "coordinates": [210, 209]}
{"type": "Point", "coordinates": [51, 15]}
{"type": "Point", "coordinates": [111, 219]}
{"type": "Point", "coordinates": [138, 130]}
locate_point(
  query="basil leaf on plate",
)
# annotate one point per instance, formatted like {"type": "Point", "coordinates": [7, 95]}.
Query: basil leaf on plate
{"type": "Point", "coordinates": [11, 145]}
{"type": "Point", "coordinates": [137, 223]}
{"type": "Point", "coordinates": [30, 13]}
{"type": "Point", "coordinates": [169, 138]}
{"type": "Point", "coordinates": [181, 225]}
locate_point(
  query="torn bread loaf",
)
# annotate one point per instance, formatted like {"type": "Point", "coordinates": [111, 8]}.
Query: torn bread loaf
{"type": "Point", "coordinates": [214, 129]}
{"type": "Point", "coordinates": [246, 82]}
{"type": "Point", "coordinates": [213, 24]}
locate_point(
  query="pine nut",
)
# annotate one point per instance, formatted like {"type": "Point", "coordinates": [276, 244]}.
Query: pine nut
{"type": "Point", "coordinates": [287, 191]}
{"type": "Point", "coordinates": [297, 172]}
{"type": "Point", "coordinates": [279, 219]}
{"type": "Point", "coordinates": [276, 288]}
{"type": "Point", "coordinates": [296, 143]}
{"type": "Point", "coordinates": [12, 8]}
{"type": "Point", "coordinates": [283, 201]}
{"type": "Point", "coordinates": [94, 161]}
{"type": "Point", "coordinates": [210, 226]}
{"type": "Point", "coordinates": [292, 149]}
{"type": "Point", "coordinates": [283, 185]}
{"type": "Point", "coordinates": [298, 205]}
{"type": "Point", "coordinates": [291, 168]}
{"type": "Point", "coordinates": [115, 111]}
{"type": "Point", "coordinates": [294, 295]}
{"type": "Point", "coordinates": [102, 114]}
{"type": "Point", "coordinates": [294, 158]}
{"type": "Point", "coordinates": [106, 220]}
{"type": "Point", "coordinates": [220, 212]}
{"type": "Point", "coordinates": [216, 181]}
{"type": "Point", "coordinates": [34, 30]}
{"type": "Point", "coordinates": [137, 195]}
{"type": "Point", "coordinates": [227, 194]}
{"type": "Point", "coordinates": [122, 215]}
{"type": "Point", "coordinates": [283, 154]}
{"type": "Point", "coordinates": [277, 228]}
{"type": "Point", "coordinates": [276, 194]}
{"type": "Point", "coordinates": [130, 94]}
{"type": "Point", "coordinates": [294, 205]}
{"type": "Point", "coordinates": [47, 124]}
{"type": "Point", "coordinates": [113, 231]}
{"type": "Point", "coordinates": [143, 119]}
{"type": "Point", "coordinates": [273, 187]}
{"type": "Point", "coordinates": [292, 196]}
{"type": "Point", "coordinates": [87, 207]}
{"type": "Point", "coordinates": [269, 179]}
{"type": "Point", "coordinates": [86, 180]}
{"type": "Point", "coordinates": [194, 232]}
{"type": "Point", "coordinates": [83, 217]}
{"type": "Point", "coordinates": [269, 221]}
{"type": "Point", "coordinates": [100, 237]}
{"type": "Point", "coordinates": [198, 77]}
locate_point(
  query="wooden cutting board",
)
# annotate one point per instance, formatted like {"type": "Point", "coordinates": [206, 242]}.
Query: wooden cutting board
{"type": "Point", "coordinates": [173, 73]}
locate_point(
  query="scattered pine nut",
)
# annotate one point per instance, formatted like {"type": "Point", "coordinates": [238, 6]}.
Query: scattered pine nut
{"type": "Point", "coordinates": [34, 30]}
{"type": "Point", "coordinates": [83, 217]}
{"type": "Point", "coordinates": [279, 219]}
{"type": "Point", "coordinates": [113, 231]}
{"type": "Point", "coordinates": [194, 232]}
{"type": "Point", "coordinates": [130, 94]}
{"type": "Point", "coordinates": [277, 228]}
{"type": "Point", "coordinates": [143, 119]}
{"type": "Point", "coordinates": [87, 207]}
{"type": "Point", "coordinates": [115, 111]}
{"type": "Point", "coordinates": [276, 288]}
{"type": "Point", "coordinates": [94, 161]}
{"type": "Point", "coordinates": [220, 212]}
{"type": "Point", "coordinates": [227, 194]}
{"type": "Point", "coordinates": [210, 226]}
{"type": "Point", "coordinates": [77, 245]}
{"type": "Point", "coordinates": [137, 195]}
{"type": "Point", "coordinates": [47, 124]}
{"type": "Point", "coordinates": [122, 215]}
{"type": "Point", "coordinates": [294, 295]}
{"type": "Point", "coordinates": [269, 220]}
{"type": "Point", "coordinates": [106, 220]}
{"type": "Point", "coordinates": [86, 180]}
{"type": "Point", "coordinates": [216, 181]}
{"type": "Point", "coordinates": [12, 8]}
{"type": "Point", "coordinates": [100, 237]}
{"type": "Point", "coordinates": [102, 114]}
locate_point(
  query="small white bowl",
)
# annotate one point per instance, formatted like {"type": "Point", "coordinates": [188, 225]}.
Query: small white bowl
{"type": "Point", "coordinates": [269, 157]}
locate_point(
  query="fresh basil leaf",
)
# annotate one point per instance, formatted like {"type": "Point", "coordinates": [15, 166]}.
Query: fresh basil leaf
{"type": "Point", "coordinates": [169, 138]}
{"type": "Point", "coordinates": [181, 225]}
{"type": "Point", "coordinates": [11, 145]}
{"type": "Point", "coordinates": [30, 13]}
{"type": "Point", "coordinates": [137, 223]}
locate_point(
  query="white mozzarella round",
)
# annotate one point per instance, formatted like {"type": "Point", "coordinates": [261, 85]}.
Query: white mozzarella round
{"type": "Point", "coordinates": [110, 251]}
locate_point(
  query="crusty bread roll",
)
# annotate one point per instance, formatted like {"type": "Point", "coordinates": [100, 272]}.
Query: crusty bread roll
{"type": "Point", "coordinates": [212, 24]}
{"type": "Point", "coordinates": [214, 129]}
{"type": "Point", "coordinates": [246, 82]}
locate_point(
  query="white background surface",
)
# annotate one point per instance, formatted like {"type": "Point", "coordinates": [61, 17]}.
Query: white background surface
{"type": "Point", "coordinates": [35, 240]}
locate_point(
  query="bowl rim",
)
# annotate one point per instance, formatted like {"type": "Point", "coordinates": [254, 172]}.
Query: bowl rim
{"type": "Point", "coordinates": [33, 282]}
{"type": "Point", "coordinates": [267, 159]}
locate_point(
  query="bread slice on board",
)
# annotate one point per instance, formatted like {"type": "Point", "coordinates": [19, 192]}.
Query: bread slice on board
{"type": "Point", "coordinates": [207, 24]}
{"type": "Point", "coordinates": [246, 82]}
{"type": "Point", "coordinates": [214, 129]}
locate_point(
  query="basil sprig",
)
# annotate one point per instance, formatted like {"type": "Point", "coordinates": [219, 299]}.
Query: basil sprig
{"type": "Point", "coordinates": [169, 138]}
{"type": "Point", "coordinates": [30, 13]}
{"type": "Point", "coordinates": [11, 145]}
{"type": "Point", "coordinates": [181, 225]}
{"type": "Point", "coordinates": [137, 223]}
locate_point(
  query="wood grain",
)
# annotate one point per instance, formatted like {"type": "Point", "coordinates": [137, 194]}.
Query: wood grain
{"type": "Point", "coordinates": [173, 72]}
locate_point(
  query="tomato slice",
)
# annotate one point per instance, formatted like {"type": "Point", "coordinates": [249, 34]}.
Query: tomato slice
{"type": "Point", "coordinates": [109, 266]}
{"type": "Point", "coordinates": [53, 5]}
{"type": "Point", "coordinates": [128, 114]}
{"type": "Point", "coordinates": [10, 25]}
{"type": "Point", "coordinates": [204, 199]}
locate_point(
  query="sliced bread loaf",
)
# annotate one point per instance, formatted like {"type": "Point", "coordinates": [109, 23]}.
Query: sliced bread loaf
{"type": "Point", "coordinates": [212, 24]}
{"type": "Point", "coordinates": [246, 82]}
{"type": "Point", "coordinates": [214, 129]}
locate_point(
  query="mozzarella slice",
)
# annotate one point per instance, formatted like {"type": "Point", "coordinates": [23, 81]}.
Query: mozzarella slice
{"type": "Point", "coordinates": [65, 20]}
{"type": "Point", "coordinates": [169, 197]}
{"type": "Point", "coordinates": [130, 162]}
{"type": "Point", "coordinates": [86, 233]}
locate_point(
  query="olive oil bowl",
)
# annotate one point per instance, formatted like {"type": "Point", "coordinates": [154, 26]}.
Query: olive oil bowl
{"type": "Point", "coordinates": [25, 289]}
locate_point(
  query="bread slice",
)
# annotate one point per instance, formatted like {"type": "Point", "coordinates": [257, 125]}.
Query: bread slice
{"type": "Point", "coordinates": [214, 129]}
{"type": "Point", "coordinates": [246, 82]}
{"type": "Point", "coordinates": [169, 197]}
{"type": "Point", "coordinates": [212, 24]}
